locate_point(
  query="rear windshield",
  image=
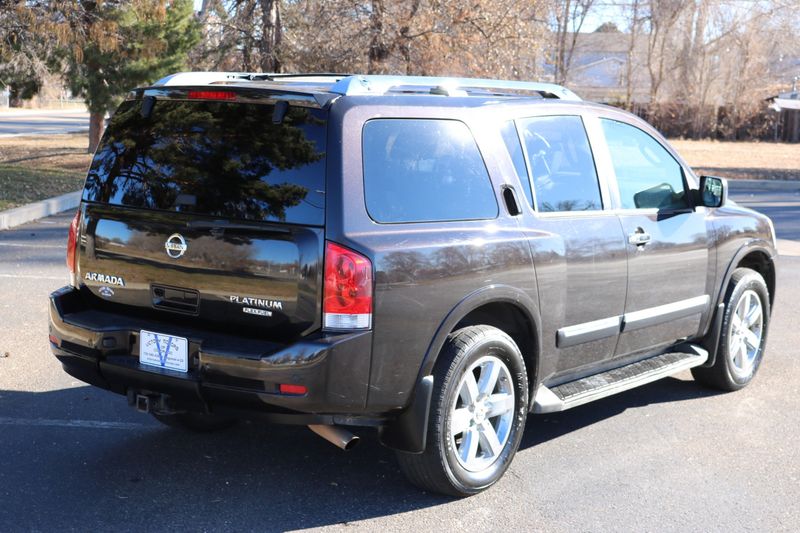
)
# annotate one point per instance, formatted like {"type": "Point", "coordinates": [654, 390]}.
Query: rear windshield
{"type": "Point", "coordinates": [219, 159]}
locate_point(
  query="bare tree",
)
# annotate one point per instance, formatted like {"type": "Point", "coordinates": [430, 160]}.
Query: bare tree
{"type": "Point", "coordinates": [634, 30]}
{"type": "Point", "coordinates": [569, 16]}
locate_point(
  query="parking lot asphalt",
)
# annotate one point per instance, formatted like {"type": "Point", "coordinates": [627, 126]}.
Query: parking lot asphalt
{"type": "Point", "coordinates": [42, 122]}
{"type": "Point", "coordinates": [670, 456]}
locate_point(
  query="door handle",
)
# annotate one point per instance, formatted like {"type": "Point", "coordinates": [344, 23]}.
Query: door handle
{"type": "Point", "coordinates": [639, 238]}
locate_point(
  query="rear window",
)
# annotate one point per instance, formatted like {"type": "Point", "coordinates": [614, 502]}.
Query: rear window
{"type": "Point", "coordinates": [421, 170]}
{"type": "Point", "coordinates": [214, 158]}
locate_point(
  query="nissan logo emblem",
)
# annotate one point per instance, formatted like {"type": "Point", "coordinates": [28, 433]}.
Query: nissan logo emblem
{"type": "Point", "coordinates": [175, 245]}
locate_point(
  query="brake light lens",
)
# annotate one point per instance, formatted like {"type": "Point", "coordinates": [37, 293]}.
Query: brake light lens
{"type": "Point", "coordinates": [347, 292]}
{"type": "Point", "coordinates": [212, 95]}
{"type": "Point", "coordinates": [72, 242]}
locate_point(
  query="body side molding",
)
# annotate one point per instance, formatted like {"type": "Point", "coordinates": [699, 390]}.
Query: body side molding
{"type": "Point", "coordinates": [588, 331]}
{"type": "Point", "coordinates": [608, 327]}
{"type": "Point", "coordinates": [665, 313]}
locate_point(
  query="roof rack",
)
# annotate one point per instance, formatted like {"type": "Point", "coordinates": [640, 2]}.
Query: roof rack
{"type": "Point", "coordinates": [378, 85]}
{"type": "Point", "coordinates": [364, 85]}
{"type": "Point", "coordinates": [200, 78]}
{"type": "Point", "coordinates": [208, 78]}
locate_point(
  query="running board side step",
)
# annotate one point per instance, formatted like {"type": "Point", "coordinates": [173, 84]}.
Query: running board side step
{"type": "Point", "coordinates": [590, 388]}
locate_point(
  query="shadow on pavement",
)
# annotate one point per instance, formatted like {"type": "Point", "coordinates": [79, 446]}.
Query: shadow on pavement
{"type": "Point", "coordinates": [141, 475]}
{"type": "Point", "coordinates": [543, 428]}
{"type": "Point", "coordinates": [252, 476]}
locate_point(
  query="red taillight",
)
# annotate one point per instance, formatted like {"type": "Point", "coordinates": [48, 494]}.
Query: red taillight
{"type": "Point", "coordinates": [347, 296]}
{"type": "Point", "coordinates": [72, 242]}
{"type": "Point", "coordinates": [296, 390]}
{"type": "Point", "coordinates": [212, 95]}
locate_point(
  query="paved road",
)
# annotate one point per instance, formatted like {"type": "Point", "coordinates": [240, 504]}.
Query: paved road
{"type": "Point", "coordinates": [670, 456]}
{"type": "Point", "coordinates": [42, 122]}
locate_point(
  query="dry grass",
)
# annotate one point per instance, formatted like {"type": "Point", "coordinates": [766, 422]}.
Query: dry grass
{"type": "Point", "coordinates": [59, 152]}
{"type": "Point", "coordinates": [742, 160]}
{"type": "Point", "coordinates": [38, 167]}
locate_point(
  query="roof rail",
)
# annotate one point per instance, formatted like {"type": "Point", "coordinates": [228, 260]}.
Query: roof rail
{"type": "Point", "coordinates": [201, 78]}
{"type": "Point", "coordinates": [207, 78]}
{"type": "Point", "coordinates": [363, 85]}
{"type": "Point", "coordinates": [379, 84]}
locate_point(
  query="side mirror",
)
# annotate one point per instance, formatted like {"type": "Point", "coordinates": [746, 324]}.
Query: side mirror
{"type": "Point", "coordinates": [713, 191]}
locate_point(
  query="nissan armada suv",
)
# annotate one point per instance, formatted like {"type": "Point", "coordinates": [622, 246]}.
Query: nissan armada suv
{"type": "Point", "coordinates": [435, 258]}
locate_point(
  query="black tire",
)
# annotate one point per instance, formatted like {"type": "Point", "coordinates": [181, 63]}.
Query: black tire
{"type": "Point", "coordinates": [438, 469]}
{"type": "Point", "coordinates": [197, 422]}
{"type": "Point", "coordinates": [724, 374]}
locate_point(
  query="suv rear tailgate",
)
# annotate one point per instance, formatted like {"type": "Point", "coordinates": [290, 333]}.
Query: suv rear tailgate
{"type": "Point", "coordinates": [210, 206]}
{"type": "Point", "coordinates": [261, 276]}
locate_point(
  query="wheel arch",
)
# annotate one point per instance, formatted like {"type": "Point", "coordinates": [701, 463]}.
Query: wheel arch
{"type": "Point", "coordinates": [756, 255]}
{"type": "Point", "coordinates": [493, 304]}
{"type": "Point", "coordinates": [506, 308]}
{"type": "Point", "coordinates": [761, 262]}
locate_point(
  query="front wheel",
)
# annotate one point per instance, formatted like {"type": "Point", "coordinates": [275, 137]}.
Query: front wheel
{"type": "Point", "coordinates": [744, 333]}
{"type": "Point", "coordinates": [478, 411]}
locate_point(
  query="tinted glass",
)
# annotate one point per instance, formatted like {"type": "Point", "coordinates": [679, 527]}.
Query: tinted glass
{"type": "Point", "coordinates": [511, 140]}
{"type": "Point", "coordinates": [647, 174]}
{"type": "Point", "coordinates": [418, 170]}
{"type": "Point", "coordinates": [213, 158]}
{"type": "Point", "coordinates": [564, 177]}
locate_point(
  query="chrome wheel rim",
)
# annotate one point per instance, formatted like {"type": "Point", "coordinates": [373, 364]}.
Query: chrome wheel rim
{"type": "Point", "coordinates": [482, 414]}
{"type": "Point", "coordinates": [744, 339]}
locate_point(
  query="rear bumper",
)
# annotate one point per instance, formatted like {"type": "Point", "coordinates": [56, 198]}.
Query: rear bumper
{"type": "Point", "coordinates": [227, 373]}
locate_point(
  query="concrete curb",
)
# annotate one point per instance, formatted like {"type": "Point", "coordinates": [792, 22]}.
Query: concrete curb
{"type": "Point", "coordinates": [43, 132]}
{"type": "Point", "coordinates": [27, 213]}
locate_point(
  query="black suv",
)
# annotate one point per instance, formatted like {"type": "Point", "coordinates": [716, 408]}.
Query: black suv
{"type": "Point", "coordinates": [432, 257]}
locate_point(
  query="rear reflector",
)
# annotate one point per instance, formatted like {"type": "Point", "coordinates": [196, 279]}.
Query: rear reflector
{"type": "Point", "coordinates": [296, 390]}
{"type": "Point", "coordinates": [347, 293]}
{"type": "Point", "coordinates": [72, 242]}
{"type": "Point", "coordinates": [212, 95]}
{"type": "Point", "coordinates": [54, 340]}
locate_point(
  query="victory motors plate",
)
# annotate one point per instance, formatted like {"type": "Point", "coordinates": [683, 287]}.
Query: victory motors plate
{"type": "Point", "coordinates": [164, 351]}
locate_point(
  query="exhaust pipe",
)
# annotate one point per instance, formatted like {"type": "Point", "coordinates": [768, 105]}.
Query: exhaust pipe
{"type": "Point", "coordinates": [335, 435]}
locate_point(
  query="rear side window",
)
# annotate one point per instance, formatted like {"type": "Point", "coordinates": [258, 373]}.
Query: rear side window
{"type": "Point", "coordinates": [561, 163]}
{"type": "Point", "coordinates": [421, 170]}
{"type": "Point", "coordinates": [219, 159]}
{"type": "Point", "coordinates": [511, 140]}
{"type": "Point", "coordinates": [647, 175]}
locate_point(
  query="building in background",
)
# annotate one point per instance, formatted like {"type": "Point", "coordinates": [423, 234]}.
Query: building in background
{"type": "Point", "coordinates": [787, 105]}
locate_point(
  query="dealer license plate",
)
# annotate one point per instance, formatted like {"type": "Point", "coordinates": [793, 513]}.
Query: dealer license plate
{"type": "Point", "coordinates": [164, 351]}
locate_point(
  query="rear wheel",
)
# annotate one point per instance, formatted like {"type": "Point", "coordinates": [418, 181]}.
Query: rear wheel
{"type": "Point", "coordinates": [198, 422]}
{"type": "Point", "coordinates": [744, 333]}
{"type": "Point", "coordinates": [478, 411]}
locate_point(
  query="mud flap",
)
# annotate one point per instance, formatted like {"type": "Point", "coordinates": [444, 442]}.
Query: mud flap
{"type": "Point", "coordinates": [409, 431]}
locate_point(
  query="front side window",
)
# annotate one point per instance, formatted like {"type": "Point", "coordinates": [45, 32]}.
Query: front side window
{"type": "Point", "coordinates": [561, 164]}
{"type": "Point", "coordinates": [422, 170]}
{"type": "Point", "coordinates": [647, 175]}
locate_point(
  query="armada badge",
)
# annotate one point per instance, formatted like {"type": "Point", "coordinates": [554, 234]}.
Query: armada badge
{"type": "Point", "coordinates": [104, 278]}
{"type": "Point", "coordinates": [175, 245]}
